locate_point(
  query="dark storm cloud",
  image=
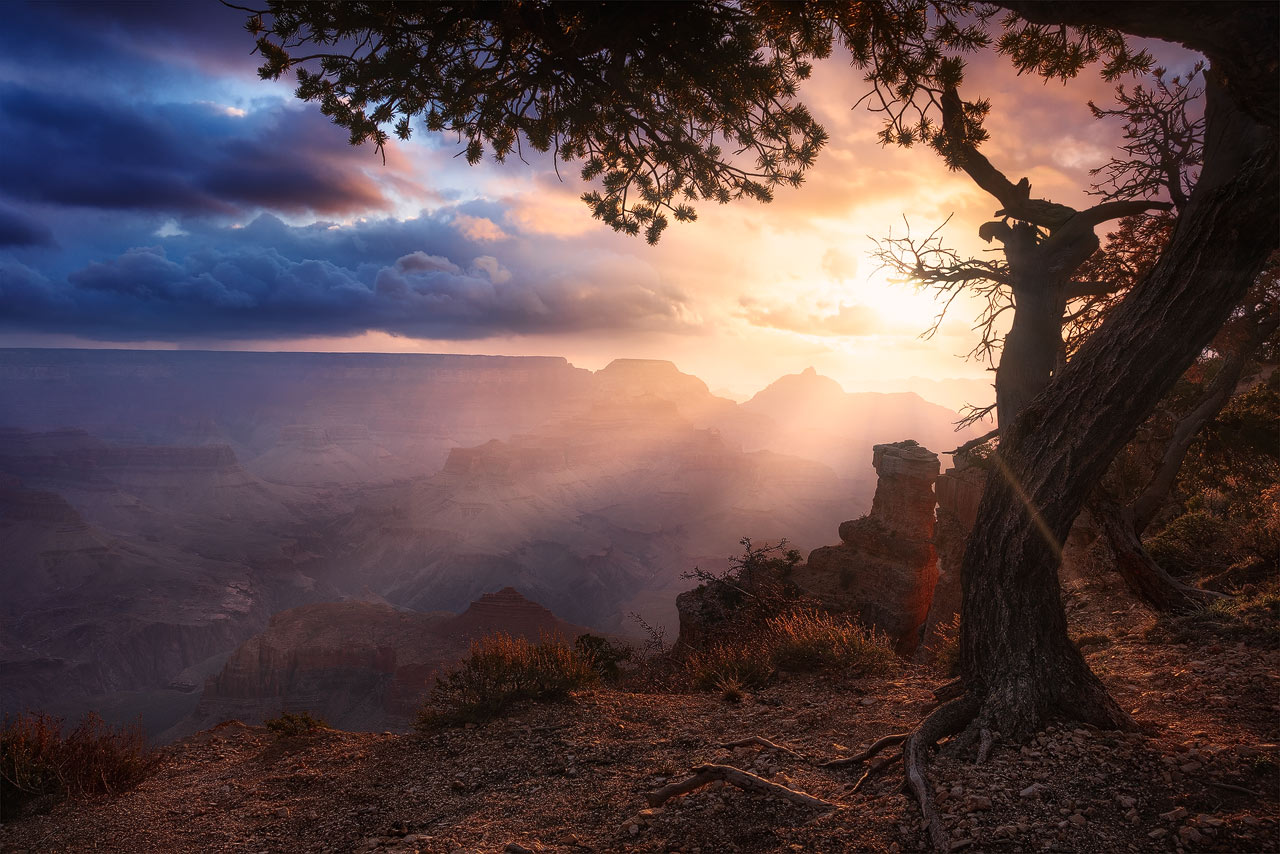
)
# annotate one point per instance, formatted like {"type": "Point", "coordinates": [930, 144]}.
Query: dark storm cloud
{"type": "Point", "coordinates": [17, 229]}
{"type": "Point", "coordinates": [272, 280]}
{"type": "Point", "coordinates": [188, 159]}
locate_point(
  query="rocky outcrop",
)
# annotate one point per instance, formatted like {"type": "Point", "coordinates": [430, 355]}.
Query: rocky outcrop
{"type": "Point", "coordinates": [885, 567]}
{"type": "Point", "coordinates": [959, 491]}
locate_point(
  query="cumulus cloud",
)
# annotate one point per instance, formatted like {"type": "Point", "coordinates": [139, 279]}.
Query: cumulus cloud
{"type": "Point", "coordinates": [273, 280]}
{"type": "Point", "coordinates": [478, 228]}
{"type": "Point", "coordinates": [187, 159]}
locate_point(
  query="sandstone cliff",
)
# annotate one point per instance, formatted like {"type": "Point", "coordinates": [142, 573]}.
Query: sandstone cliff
{"type": "Point", "coordinates": [885, 567]}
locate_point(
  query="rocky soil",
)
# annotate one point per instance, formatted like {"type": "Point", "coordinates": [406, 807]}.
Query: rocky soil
{"type": "Point", "coordinates": [1201, 773]}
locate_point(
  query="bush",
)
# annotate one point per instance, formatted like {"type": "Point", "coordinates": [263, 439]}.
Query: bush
{"type": "Point", "coordinates": [38, 762]}
{"type": "Point", "coordinates": [747, 663]}
{"type": "Point", "coordinates": [813, 640]}
{"type": "Point", "coordinates": [605, 656]}
{"type": "Point", "coordinates": [501, 671]}
{"type": "Point", "coordinates": [1193, 544]}
{"type": "Point", "coordinates": [295, 725]}
{"type": "Point", "coordinates": [1251, 617]}
{"type": "Point", "coordinates": [802, 640]}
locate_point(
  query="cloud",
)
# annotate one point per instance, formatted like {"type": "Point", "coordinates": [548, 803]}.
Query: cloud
{"type": "Point", "coordinates": [478, 228]}
{"type": "Point", "coordinates": [271, 280]}
{"type": "Point", "coordinates": [17, 229]}
{"type": "Point", "coordinates": [849, 320]}
{"type": "Point", "coordinates": [186, 159]}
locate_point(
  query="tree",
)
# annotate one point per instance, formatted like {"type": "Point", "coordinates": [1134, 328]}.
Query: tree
{"type": "Point", "coordinates": [662, 101]}
{"type": "Point", "coordinates": [1059, 291]}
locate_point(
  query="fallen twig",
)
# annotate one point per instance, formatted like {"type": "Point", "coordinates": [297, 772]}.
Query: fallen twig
{"type": "Point", "coordinates": [704, 774]}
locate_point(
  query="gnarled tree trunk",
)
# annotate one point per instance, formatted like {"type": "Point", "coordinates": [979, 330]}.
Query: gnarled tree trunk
{"type": "Point", "coordinates": [1019, 665]}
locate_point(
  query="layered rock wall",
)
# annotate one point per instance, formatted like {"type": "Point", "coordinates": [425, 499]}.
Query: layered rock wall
{"type": "Point", "coordinates": [885, 567]}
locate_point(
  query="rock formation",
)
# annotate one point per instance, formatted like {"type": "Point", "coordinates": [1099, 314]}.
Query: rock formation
{"type": "Point", "coordinates": [958, 492]}
{"type": "Point", "coordinates": [885, 568]}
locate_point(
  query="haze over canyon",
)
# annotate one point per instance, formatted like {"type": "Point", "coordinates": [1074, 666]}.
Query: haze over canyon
{"type": "Point", "coordinates": [160, 509]}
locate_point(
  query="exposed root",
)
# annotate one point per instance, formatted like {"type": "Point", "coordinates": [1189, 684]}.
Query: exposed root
{"type": "Point", "coordinates": [943, 721]}
{"type": "Point", "coordinates": [874, 769]}
{"type": "Point", "coordinates": [949, 691]}
{"type": "Point", "coordinates": [760, 741]}
{"type": "Point", "coordinates": [704, 774]}
{"type": "Point", "coordinates": [887, 741]}
{"type": "Point", "coordinates": [986, 742]}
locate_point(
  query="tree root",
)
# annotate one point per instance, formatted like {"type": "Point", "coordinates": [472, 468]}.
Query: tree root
{"type": "Point", "coordinates": [949, 691]}
{"type": "Point", "coordinates": [760, 741]}
{"type": "Point", "coordinates": [704, 774]}
{"type": "Point", "coordinates": [985, 744]}
{"type": "Point", "coordinates": [887, 741]}
{"type": "Point", "coordinates": [947, 719]}
{"type": "Point", "coordinates": [874, 769]}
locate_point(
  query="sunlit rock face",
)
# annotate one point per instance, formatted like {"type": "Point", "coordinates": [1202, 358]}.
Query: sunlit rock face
{"type": "Point", "coordinates": [885, 567]}
{"type": "Point", "coordinates": [959, 491]}
{"type": "Point", "coordinates": [359, 665]}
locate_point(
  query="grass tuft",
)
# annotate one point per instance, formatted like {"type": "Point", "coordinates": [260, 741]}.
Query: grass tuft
{"type": "Point", "coordinates": [500, 672]}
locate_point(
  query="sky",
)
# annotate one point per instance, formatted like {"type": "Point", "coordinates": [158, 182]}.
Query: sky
{"type": "Point", "coordinates": [155, 193]}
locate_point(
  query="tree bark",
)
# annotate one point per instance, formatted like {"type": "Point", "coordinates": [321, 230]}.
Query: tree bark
{"type": "Point", "coordinates": [1015, 654]}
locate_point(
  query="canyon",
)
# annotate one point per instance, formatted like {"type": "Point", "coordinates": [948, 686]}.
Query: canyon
{"type": "Point", "coordinates": [159, 509]}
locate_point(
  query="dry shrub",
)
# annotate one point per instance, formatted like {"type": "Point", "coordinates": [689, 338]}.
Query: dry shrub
{"type": "Point", "coordinates": [810, 639]}
{"type": "Point", "coordinates": [746, 663]}
{"type": "Point", "coordinates": [945, 648]}
{"type": "Point", "coordinates": [290, 725]}
{"type": "Point", "coordinates": [501, 671]}
{"type": "Point", "coordinates": [802, 640]}
{"type": "Point", "coordinates": [42, 764]}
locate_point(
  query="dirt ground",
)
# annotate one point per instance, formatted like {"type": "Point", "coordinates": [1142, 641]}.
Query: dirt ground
{"type": "Point", "coordinates": [1202, 773]}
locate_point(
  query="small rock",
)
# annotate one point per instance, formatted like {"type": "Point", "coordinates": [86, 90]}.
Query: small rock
{"type": "Point", "coordinates": [1032, 791]}
{"type": "Point", "coordinates": [517, 848]}
{"type": "Point", "coordinates": [977, 803]}
{"type": "Point", "coordinates": [1126, 801]}
{"type": "Point", "coordinates": [1175, 814]}
{"type": "Point", "coordinates": [1158, 833]}
{"type": "Point", "coordinates": [1190, 834]}
{"type": "Point", "coordinates": [1077, 819]}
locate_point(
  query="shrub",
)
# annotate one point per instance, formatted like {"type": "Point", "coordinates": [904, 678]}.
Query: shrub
{"type": "Point", "coordinates": [1194, 543]}
{"type": "Point", "coordinates": [501, 671]}
{"type": "Point", "coordinates": [746, 663]}
{"type": "Point", "coordinates": [38, 762]}
{"type": "Point", "coordinates": [809, 639]}
{"type": "Point", "coordinates": [605, 656]}
{"type": "Point", "coordinates": [945, 648]}
{"type": "Point", "coordinates": [1251, 617]}
{"type": "Point", "coordinates": [294, 725]}
{"type": "Point", "coordinates": [756, 586]}
{"type": "Point", "coordinates": [802, 640]}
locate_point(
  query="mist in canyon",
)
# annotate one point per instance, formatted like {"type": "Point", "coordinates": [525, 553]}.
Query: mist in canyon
{"type": "Point", "coordinates": [180, 528]}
